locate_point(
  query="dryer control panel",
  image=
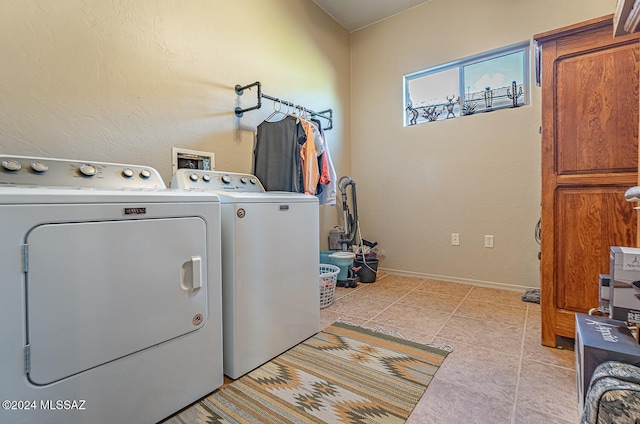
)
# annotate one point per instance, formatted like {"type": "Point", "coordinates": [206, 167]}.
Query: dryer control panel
{"type": "Point", "coordinates": [193, 179]}
{"type": "Point", "coordinates": [49, 172]}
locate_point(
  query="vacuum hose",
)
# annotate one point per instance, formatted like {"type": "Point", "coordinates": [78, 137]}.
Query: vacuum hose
{"type": "Point", "coordinates": [350, 222]}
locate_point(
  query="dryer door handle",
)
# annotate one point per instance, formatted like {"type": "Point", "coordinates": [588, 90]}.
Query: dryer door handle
{"type": "Point", "coordinates": [196, 273]}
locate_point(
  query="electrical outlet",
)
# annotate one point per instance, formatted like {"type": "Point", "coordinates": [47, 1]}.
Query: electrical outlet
{"type": "Point", "coordinates": [488, 241]}
{"type": "Point", "coordinates": [455, 239]}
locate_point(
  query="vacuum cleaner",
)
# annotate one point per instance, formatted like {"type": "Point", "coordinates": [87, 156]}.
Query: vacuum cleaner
{"type": "Point", "coordinates": [350, 221]}
{"type": "Point", "coordinates": [347, 238]}
{"type": "Point", "coordinates": [344, 258]}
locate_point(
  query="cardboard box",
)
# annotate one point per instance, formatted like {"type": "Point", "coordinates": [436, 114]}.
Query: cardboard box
{"type": "Point", "coordinates": [600, 339]}
{"type": "Point", "coordinates": [624, 271]}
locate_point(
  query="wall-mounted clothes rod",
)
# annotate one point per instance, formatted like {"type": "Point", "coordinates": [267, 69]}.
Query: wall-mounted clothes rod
{"type": "Point", "coordinates": [325, 114]}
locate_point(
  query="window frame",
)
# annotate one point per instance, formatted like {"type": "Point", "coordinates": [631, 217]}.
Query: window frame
{"type": "Point", "coordinates": [459, 65]}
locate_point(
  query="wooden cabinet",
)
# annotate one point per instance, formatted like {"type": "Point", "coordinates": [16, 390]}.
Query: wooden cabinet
{"type": "Point", "coordinates": [590, 115]}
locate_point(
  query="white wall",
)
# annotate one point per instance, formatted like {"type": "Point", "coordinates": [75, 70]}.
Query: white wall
{"type": "Point", "coordinates": [124, 81]}
{"type": "Point", "coordinates": [475, 175]}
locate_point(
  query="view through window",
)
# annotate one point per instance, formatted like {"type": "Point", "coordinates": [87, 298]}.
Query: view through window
{"type": "Point", "coordinates": [484, 83]}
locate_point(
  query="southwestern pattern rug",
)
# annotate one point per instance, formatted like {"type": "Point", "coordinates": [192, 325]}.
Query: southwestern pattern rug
{"type": "Point", "coordinates": [344, 374]}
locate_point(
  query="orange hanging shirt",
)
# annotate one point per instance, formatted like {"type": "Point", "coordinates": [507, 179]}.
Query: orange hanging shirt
{"type": "Point", "coordinates": [310, 171]}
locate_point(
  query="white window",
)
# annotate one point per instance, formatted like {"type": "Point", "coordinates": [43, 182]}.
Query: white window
{"type": "Point", "coordinates": [483, 83]}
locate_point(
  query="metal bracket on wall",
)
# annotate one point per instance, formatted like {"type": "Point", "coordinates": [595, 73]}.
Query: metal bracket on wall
{"type": "Point", "coordinates": [325, 114]}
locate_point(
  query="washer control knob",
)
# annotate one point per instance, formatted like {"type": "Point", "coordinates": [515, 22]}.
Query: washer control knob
{"type": "Point", "coordinates": [243, 180]}
{"type": "Point", "coordinates": [11, 165]}
{"type": "Point", "coordinates": [145, 173]}
{"type": "Point", "coordinates": [88, 170]}
{"type": "Point", "coordinates": [254, 181]}
{"type": "Point", "coordinates": [193, 177]}
{"type": "Point", "coordinates": [206, 178]}
{"type": "Point", "coordinates": [39, 166]}
{"type": "Point", "coordinates": [226, 179]}
{"type": "Point", "coordinates": [127, 172]}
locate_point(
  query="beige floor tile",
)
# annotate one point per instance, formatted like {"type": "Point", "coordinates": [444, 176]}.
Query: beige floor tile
{"type": "Point", "coordinates": [486, 334]}
{"type": "Point", "coordinates": [411, 318]}
{"type": "Point", "coordinates": [498, 296]}
{"type": "Point", "coordinates": [343, 291]}
{"type": "Point", "coordinates": [445, 287]}
{"type": "Point", "coordinates": [548, 388]}
{"type": "Point", "coordinates": [359, 306]}
{"type": "Point", "coordinates": [492, 333]}
{"type": "Point", "coordinates": [448, 403]}
{"type": "Point", "coordinates": [530, 416]}
{"type": "Point", "coordinates": [397, 287]}
{"type": "Point", "coordinates": [327, 320]}
{"type": "Point", "coordinates": [327, 317]}
{"type": "Point", "coordinates": [399, 279]}
{"type": "Point", "coordinates": [432, 300]}
{"type": "Point", "coordinates": [390, 295]}
{"type": "Point", "coordinates": [535, 351]}
{"type": "Point", "coordinates": [534, 308]}
{"type": "Point", "coordinates": [381, 273]}
{"type": "Point", "coordinates": [563, 356]}
{"type": "Point", "coordinates": [534, 316]}
{"type": "Point", "coordinates": [502, 314]}
{"type": "Point", "coordinates": [496, 377]}
{"type": "Point", "coordinates": [402, 332]}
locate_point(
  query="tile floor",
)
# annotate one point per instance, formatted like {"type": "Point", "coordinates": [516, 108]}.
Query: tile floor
{"type": "Point", "coordinates": [498, 371]}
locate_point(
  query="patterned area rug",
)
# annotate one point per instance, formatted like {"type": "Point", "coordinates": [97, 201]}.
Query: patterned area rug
{"type": "Point", "coordinates": [344, 374]}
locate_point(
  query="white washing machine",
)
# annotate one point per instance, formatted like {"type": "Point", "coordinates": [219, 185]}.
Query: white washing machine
{"type": "Point", "coordinates": [110, 300]}
{"type": "Point", "coordinates": [270, 260]}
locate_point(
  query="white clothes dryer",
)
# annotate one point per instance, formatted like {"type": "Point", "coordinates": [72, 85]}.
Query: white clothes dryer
{"type": "Point", "coordinates": [110, 304]}
{"type": "Point", "coordinates": [270, 260]}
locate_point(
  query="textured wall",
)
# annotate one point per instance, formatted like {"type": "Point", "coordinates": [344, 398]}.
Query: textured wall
{"type": "Point", "coordinates": [124, 81]}
{"type": "Point", "coordinates": [473, 176]}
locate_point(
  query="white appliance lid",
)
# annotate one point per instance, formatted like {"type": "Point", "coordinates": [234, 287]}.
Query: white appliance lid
{"type": "Point", "coordinates": [268, 197]}
{"type": "Point", "coordinates": [12, 194]}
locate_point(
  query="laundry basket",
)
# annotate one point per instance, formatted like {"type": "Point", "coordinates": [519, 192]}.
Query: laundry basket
{"type": "Point", "coordinates": [328, 281]}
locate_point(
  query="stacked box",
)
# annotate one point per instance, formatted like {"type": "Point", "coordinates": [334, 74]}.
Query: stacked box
{"type": "Point", "coordinates": [598, 340]}
{"type": "Point", "coordinates": [624, 296]}
{"type": "Point", "coordinates": [604, 282]}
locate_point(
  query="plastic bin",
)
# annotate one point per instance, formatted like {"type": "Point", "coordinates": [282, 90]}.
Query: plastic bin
{"type": "Point", "coordinates": [344, 261]}
{"type": "Point", "coordinates": [367, 272]}
{"type": "Point", "coordinates": [324, 256]}
{"type": "Point", "coordinates": [328, 281]}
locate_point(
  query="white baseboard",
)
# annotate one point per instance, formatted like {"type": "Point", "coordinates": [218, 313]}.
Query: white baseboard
{"type": "Point", "coordinates": [481, 283]}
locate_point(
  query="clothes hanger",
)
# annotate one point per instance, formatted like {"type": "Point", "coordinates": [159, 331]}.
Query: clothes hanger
{"type": "Point", "coordinates": [276, 111]}
{"type": "Point", "coordinates": [291, 111]}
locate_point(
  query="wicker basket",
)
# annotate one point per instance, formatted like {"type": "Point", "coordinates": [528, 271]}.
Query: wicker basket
{"type": "Point", "coordinates": [328, 281]}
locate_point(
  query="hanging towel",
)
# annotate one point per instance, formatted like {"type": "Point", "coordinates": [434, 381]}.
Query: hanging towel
{"type": "Point", "coordinates": [323, 166]}
{"type": "Point", "coordinates": [328, 194]}
{"type": "Point", "coordinates": [277, 161]}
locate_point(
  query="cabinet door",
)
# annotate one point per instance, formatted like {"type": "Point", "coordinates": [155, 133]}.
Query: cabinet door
{"type": "Point", "coordinates": [597, 111]}
{"type": "Point", "coordinates": [589, 221]}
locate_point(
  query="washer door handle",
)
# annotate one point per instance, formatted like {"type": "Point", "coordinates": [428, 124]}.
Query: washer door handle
{"type": "Point", "coordinates": [196, 273]}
